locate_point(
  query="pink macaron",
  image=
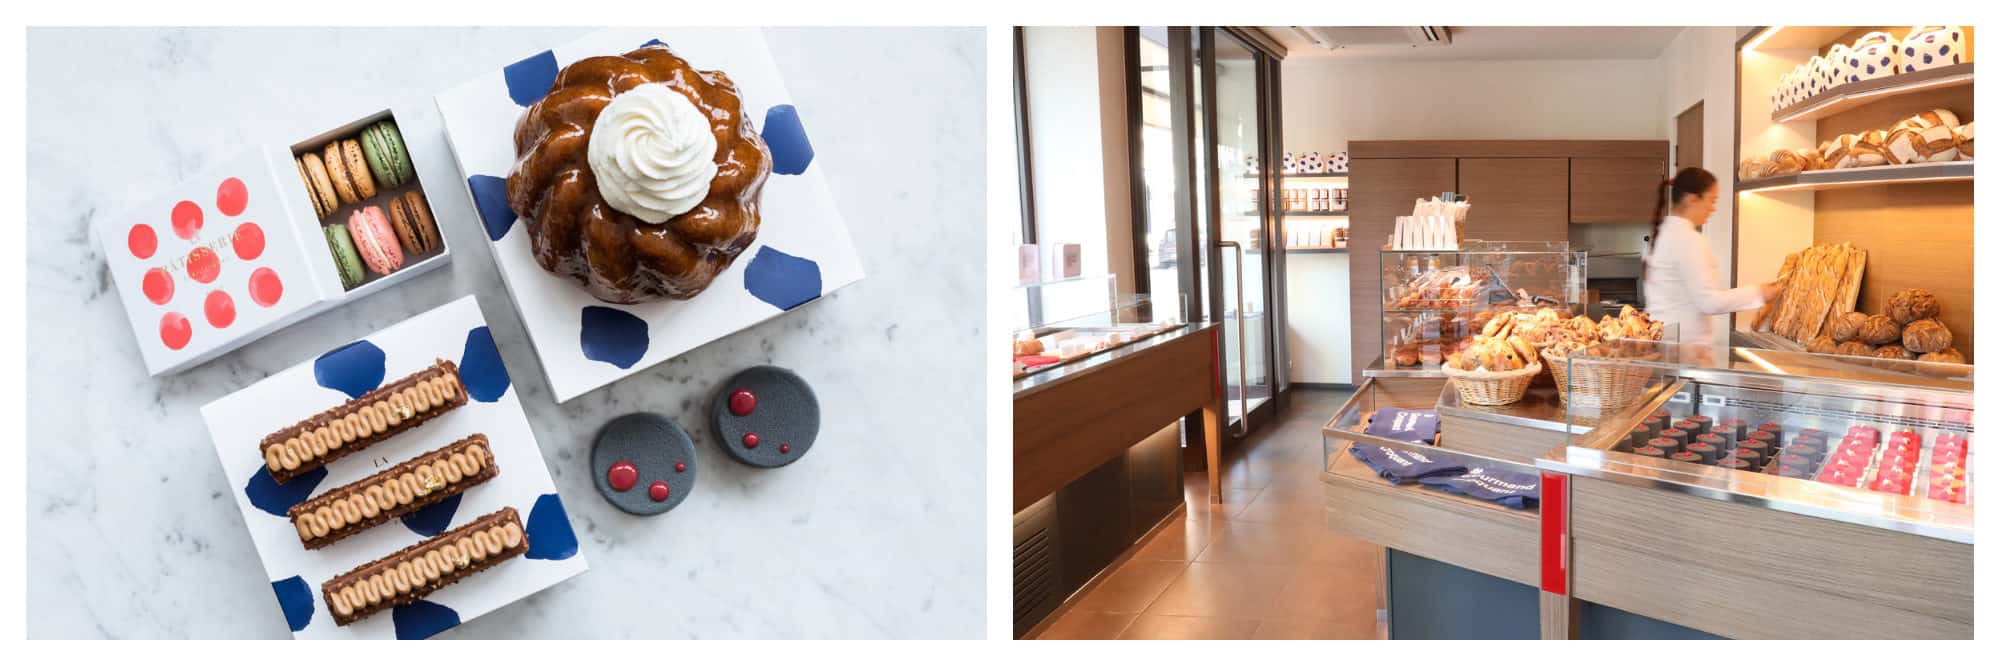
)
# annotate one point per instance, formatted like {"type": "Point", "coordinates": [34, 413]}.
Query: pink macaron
{"type": "Point", "coordinates": [375, 240]}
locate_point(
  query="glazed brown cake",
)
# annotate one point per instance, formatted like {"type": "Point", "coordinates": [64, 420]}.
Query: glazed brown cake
{"type": "Point", "coordinates": [575, 232]}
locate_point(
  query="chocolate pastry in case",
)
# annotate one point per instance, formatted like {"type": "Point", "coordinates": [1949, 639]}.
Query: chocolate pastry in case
{"type": "Point", "coordinates": [359, 423]}
{"type": "Point", "coordinates": [619, 257]}
{"type": "Point", "coordinates": [414, 572]}
{"type": "Point", "coordinates": [411, 485]}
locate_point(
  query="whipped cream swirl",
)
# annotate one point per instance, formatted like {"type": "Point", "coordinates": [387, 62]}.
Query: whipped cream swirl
{"type": "Point", "coordinates": [653, 153]}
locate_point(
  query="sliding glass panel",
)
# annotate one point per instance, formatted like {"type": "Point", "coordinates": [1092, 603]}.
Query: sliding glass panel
{"type": "Point", "coordinates": [1239, 161]}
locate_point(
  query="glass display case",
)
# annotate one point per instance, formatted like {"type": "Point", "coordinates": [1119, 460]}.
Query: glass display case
{"type": "Point", "coordinates": [1062, 321]}
{"type": "Point", "coordinates": [1879, 442]}
{"type": "Point", "coordinates": [1434, 302]}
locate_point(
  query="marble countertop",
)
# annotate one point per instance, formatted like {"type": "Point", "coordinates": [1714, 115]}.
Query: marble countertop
{"type": "Point", "coordinates": [880, 533]}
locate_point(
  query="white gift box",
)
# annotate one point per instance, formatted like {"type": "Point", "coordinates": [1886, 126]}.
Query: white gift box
{"type": "Point", "coordinates": [1062, 260]}
{"type": "Point", "coordinates": [801, 253]}
{"type": "Point", "coordinates": [1028, 259]}
{"type": "Point", "coordinates": [1933, 46]}
{"type": "Point", "coordinates": [456, 332]}
{"type": "Point", "coordinates": [235, 253]}
{"type": "Point", "coordinates": [1874, 56]}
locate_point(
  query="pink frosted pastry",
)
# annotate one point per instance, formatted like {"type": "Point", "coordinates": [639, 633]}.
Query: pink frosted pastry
{"type": "Point", "coordinates": [375, 240]}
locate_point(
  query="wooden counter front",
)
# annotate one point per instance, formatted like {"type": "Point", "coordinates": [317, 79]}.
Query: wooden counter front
{"type": "Point", "coordinates": [1067, 427]}
{"type": "Point", "coordinates": [1749, 572]}
{"type": "Point", "coordinates": [1454, 529]}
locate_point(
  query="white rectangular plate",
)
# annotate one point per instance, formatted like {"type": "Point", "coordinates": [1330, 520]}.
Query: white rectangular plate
{"type": "Point", "coordinates": [455, 332]}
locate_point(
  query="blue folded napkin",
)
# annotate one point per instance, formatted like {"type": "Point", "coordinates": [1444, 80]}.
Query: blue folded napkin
{"type": "Point", "coordinates": [1399, 466]}
{"type": "Point", "coordinates": [1405, 425]}
{"type": "Point", "coordinates": [1513, 489]}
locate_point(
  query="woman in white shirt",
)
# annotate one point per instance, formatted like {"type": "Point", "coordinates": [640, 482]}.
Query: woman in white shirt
{"type": "Point", "coordinates": [1681, 282]}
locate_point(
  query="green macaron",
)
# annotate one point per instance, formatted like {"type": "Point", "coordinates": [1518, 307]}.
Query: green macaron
{"type": "Point", "coordinates": [382, 145]}
{"type": "Point", "coordinates": [346, 260]}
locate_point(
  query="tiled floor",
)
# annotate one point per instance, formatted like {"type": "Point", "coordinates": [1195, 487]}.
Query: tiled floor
{"type": "Point", "coordinates": [1261, 564]}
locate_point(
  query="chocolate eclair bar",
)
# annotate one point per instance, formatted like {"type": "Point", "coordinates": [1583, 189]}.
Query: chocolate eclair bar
{"type": "Point", "coordinates": [412, 573]}
{"type": "Point", "coordinates": [354, 425]}
{"type": "Point", "coordinates": [410, 485]}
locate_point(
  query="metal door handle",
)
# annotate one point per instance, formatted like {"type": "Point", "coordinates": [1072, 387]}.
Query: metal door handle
{"type": "Point", "coordinates": [1242, 355]}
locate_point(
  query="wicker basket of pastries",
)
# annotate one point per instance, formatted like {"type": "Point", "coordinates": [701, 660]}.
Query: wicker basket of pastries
{"type": "Point", "coordinates": [1604, 387]}
{"type": "Point", "coordinates": [1494, 370]}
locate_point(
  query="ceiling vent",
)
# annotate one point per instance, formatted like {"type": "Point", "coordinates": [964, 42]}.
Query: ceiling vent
{"type": "Point", "coordinates": [1334, 38]}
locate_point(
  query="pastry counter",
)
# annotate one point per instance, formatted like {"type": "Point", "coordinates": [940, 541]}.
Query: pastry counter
{"type": "Point", "coordinates": [1098, 456]}
{"type": "Point", "coordinates": [1745, 487]}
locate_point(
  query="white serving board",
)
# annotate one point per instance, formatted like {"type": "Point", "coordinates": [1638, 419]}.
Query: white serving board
{"type": "Point", "coordinates": [455, 332]}
{"type": "Point", "coordinates": [802, 250]}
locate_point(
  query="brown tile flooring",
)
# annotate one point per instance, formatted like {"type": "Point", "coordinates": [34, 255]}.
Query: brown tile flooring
{"type": "Point", "coordinates": [1261, 564]}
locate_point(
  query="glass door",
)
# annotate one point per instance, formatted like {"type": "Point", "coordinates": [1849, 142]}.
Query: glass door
{"type": "Point", "coordinates": [1204, 117]}
{"type": "Point", "coordinates": [1242, 221]}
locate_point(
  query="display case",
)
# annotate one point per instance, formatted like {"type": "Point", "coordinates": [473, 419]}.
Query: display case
{"type": "Point", "coordinates": [1063, 321]}
{"type": "Point", "coordinates": [1881, 443]}
{"type": "Point", "coordinates": [1434, 302]}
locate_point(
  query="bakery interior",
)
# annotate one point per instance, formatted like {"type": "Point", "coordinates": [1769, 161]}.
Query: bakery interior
{"type": "Point", "coordinates": [1327, 332]}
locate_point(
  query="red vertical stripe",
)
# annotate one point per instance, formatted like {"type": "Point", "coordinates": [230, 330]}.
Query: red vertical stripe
{"type": "Point", "coordinates": [1555, 533]}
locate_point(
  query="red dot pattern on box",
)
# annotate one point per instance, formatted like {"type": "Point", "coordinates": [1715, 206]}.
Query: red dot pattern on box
{"type": "Point", "coordinates": [203, 265]}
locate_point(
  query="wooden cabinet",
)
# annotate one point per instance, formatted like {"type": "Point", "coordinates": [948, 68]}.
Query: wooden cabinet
{"type": "Point", "coordinates": [1390, 187]}
{"type": "Point", "coordinates": [1614, 190]}
{"type": "Point", "coordinates": [1516, 198]}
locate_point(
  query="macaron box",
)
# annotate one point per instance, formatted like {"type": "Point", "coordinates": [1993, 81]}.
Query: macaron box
{"type": "Point", "coordinates": [270, 237]}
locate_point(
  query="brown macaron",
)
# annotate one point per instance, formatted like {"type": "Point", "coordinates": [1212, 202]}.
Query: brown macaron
{"type": "Point", "coordinates": [319, 186]}
{"type": "Point", "coordinates": [357, 168]}
{"type": "Point", "coordinates": [336, 170]}
{"type": "Point", "coordinates": [411, 217]}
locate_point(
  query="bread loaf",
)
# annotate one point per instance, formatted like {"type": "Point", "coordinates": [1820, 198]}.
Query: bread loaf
{"type": "Point", "coordinates": [1822, 345]}
{"type": "Point", "coordinates": [1808, 159]}
{"type": "Point", "coordinates": [1880, 330]}
{"type": "Point", "coordinates": [1940, 144]}
{"type": "Point", "coordinates": [1839, 153]}
{"type": "Point", "coordinates": [1946, 356]}
{"type": "Point", "coordinates": [1965, 141]}
{"type": "Point", "coordinates": [1910, 305]}
{"type": "Point", "coordinates": [1924, 336]}
{"type": "Point", "coordinates": [1902, 143]}
{"type": "Point", "coordinates": [1896, 352]}
{"type": "Point", "coordinates": [1786, 163]}
{"type": "Point", "coordinates": [1755, 168]}
{"type": "Point", "coordinates": [1845, 326]}
{"type": "Point", "coordinates": [1931, 118]}
{"type": "Point", "coordinates": [1867, 150]}
{"type": "Point", "coordinates": [1855, 348]}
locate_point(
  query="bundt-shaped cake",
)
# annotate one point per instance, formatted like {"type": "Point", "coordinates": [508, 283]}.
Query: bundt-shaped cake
{"type": "Point", "coordinates": [638, 175]}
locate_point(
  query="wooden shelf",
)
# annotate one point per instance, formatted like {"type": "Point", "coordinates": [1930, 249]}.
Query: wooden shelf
{"type": "Point", "coordinates": [1314, 214]}
{"type": "Point", "coordinates": [1328, 174]}
{"type": "Point", "coordinates": [1830, 179]}
{"type": "Point", "coordinates": [1306, 249]}
{"type": "Point", "coordinates": [1851, 95]}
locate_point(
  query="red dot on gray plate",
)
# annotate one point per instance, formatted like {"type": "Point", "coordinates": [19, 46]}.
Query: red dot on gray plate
{"type": "Point", "coordinates": [749, 440]}
{"type": "Point", "coordinates": [742, 402]}
{"type": "Point", "coordinates": [658, 491]}
{"type": "Point", "coordinates": [623, 475]}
